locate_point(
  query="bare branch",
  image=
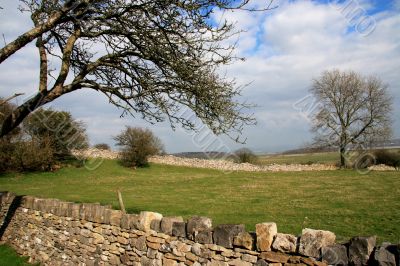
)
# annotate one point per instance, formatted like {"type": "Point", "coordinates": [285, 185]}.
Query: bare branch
{"type": "Point", "coordinates": [353, 110]}
{"type": "Point", "coordinates": [10, 98]}
{"type": "Point", "coordinates": [150, 58]}
{"type": "Point", "coordinates": [32, 34]}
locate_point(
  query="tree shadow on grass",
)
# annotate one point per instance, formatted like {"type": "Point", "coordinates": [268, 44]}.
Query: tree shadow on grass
{"type": "Point", "coordinates": [16, 202]}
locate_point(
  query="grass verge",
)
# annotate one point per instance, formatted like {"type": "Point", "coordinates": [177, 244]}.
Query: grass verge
{"type": "Point", "coordinates": [8, 257]}
{"type": "Point", "coordinates": [342, 201]}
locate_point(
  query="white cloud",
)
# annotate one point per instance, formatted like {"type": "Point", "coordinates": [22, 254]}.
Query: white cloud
{"type": "Point", "coordinates": [300, 40]}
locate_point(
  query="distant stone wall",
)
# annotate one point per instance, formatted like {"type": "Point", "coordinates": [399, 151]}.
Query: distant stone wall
{"type": "Point", "coordinates": [229, 166]}
{"type": "Point", "coordinates": [55, 232]}
{"type": "Point", "coordinates": [223, 165]}
{"type": "Point", "coordinates": [95, 153]}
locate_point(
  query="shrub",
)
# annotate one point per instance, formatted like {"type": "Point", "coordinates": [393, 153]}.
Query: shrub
{"type": "Point", "coordinates": [364, 161]}
{"type": "Point", "coordinates": [33, 155]}
{"type": "Point", "coordinates": [6, 151]}
{"type": "Point", "coordinates": [102, 146]}
{"type": "Point", "coordinates": [63, 131]}
{"type": "Point", "coordinates": [43, 137]}
{"type": "Point", "coordinates": [388, 158]}
{"type": "Point", "coordinates": [26, 155]}
{"type": "Point", "coordinates": [245, 155]}
{"type": "Point", "coordinates": [137, 144]}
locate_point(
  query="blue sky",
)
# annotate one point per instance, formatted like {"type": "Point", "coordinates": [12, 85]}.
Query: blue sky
{"type": "Point", "coordinates": [285, 49]}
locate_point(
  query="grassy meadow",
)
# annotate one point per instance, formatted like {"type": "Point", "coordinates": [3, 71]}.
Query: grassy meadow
{"type": "Point", "coordinates": [342, 201]}
{"type": "Point", "coordinates": [331, 158]}
{"type": "Point", "coordinates": [304, 158]}
{"type": "Point", "coordinates": [9, 257]}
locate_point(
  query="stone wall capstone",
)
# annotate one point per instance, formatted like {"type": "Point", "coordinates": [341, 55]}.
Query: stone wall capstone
{"type": "Point", "coordinates": [54, 232]}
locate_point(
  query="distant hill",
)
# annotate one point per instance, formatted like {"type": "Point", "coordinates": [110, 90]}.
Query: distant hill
{"type": "Point", "coordinates": [219, 155]}
{"type": "Point", "coordinates": [309, 150]}
{"type": "Point", "coordinates": [389, 143]}
{"type": "Point", "coordinates": [382, 144]}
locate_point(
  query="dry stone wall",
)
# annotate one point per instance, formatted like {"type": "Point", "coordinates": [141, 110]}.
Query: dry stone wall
{"type": "Point", "coordinates": [55, 232]}
{"type": "Point", "coordinates": [229, 166]}
{"type": "Point", "coordinates": [95, 153]}
{"type": "Point", "coordinates": [223, 165]}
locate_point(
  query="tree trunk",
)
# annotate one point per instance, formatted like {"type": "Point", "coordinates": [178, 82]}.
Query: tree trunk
{"type": "Point", "coordinates": [18, 115]}
{"type": "Point", "coordinates": [342, 157]}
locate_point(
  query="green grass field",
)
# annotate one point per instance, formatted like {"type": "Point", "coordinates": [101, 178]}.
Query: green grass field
{"type": "Point", "coordinates": [8, 257]}
{"type": "Point", "coordinates": [323, 157]}
{"type": "Point", "coordinates": [307, 158]}
{"type": "Point", "coordinates": [344, 202]}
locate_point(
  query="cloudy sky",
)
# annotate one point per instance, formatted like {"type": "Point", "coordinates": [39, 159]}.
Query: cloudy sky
{"type": "Point", "coordinates": [285, 49]}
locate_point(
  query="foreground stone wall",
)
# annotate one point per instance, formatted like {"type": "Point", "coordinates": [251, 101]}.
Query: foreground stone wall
{"type": "Point", "coordinates": [54, 232]}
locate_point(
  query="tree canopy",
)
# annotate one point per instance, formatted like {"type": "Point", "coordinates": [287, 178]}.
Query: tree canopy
{"type": "Point", "coordinates": [59, 128]}
{"type": "Point", "coordinates": [150, 58]}
{"type": "Point", "coordinates": [136, 145]}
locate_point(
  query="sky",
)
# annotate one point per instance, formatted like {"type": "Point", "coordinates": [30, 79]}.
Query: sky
{"type": "Point", "coordinates": [285, 49]}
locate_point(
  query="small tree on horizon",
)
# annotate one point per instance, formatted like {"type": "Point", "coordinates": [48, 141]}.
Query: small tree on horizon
{"type": "Point", "coordinates": [244, 155]}
{"type": "Point", "coordinates": [352, 110]}
{"type": "Point", "coordinates": [102, 146]}
{"type": "Point", "coordinates": [137, 144]}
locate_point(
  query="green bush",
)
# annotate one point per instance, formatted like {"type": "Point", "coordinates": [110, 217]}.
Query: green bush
{"type": "Point", "coordinates": [33, 155]}
{"type": "Point", "coordinates": [364, 160]}
{"type": "Point", "coordinates": [137, 144]}
{"type": "Point", "coordinates": [6, 160]}
{"type": "Point", "coordinates": [9, 257]}
{"type": "Point", "coordinates": [245, 155]}
{"type": "Point", "coordinates": [102, 146]}
{"type": "Point", "coordinates": [388, 158]}
{"type": "Point", "coordinates": [26, 155]}
{"type": "Point", "coordinates": [64, 132]}
{"type": "Point", "coordinates": [44, 137]}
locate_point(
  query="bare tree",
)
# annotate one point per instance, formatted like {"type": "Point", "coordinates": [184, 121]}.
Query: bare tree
{"type": "Point", "coordinates": [150, 58]}
{"type": "Point", "coordinates": [352, 110]}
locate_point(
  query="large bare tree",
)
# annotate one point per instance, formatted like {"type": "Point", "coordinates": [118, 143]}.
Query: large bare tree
{"type": "Point", "coordinates": [150, 58]}
{"type": "Point", "coordinates": [352, 110]}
